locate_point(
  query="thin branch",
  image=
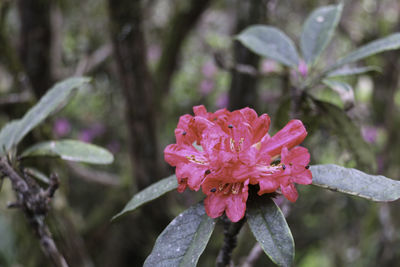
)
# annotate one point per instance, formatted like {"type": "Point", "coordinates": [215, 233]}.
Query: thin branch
{"type": "Point", "coordinates": [94, 176]}
{"type": "Point", "coordinates": [182, 22]}
{"type": "Point", "coordinates": [255, 253]}
{"type": "Point", "coordinates": [90, 62]}
{"type": "Point", "coordinates": [16, 98]}
{"type": "Point", "coordinates": [231, 231]}
{"type": "Point", "coordinates": [34, 202]}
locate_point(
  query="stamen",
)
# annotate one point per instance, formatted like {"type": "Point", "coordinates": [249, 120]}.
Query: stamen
{"type": "Point", "coordinates": [236, 188]}
{"type": "Point", "coordinates": [207, 172]}
{"type": "Point", "coordinates": [283, 166]}
{"type": "Point", "coordinates": [230, 126]}
{"type": "Point", "coordinates": [232, 143]}
{"type": "Point", "coordinates": [213, 190]}
{"type": "Point", "coordinates": [307, 167]}
{"type": "Point", "coordinates": [184, 133]}
{"type": "Point", "coordinates": [193, 159]}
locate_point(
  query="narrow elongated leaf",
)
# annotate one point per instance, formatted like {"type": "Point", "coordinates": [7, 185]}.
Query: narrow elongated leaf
{"type": "Point", "coordinates": [183, 241]}
{"type": "Point", "coordinates": [150, 193]}
{"type": "Point", "coordinates": [349, 135]}
{"type": "Point", "coordinates": [7, 136]}
{"type": "Point", "coordinates": [35, 173]}
{"type": "Point", "coordinates": [71, 150]}
{"type": "Point", "coordinates": [270, 228]}
{"type": "Point", "coordinates": [318, 31]}
{"type": "Point", "coordinates": [47, 104]}
{"type": "Point", "coordinates": [344, 90]}
{"type": "Point", "coordinates": [270, 42]}
{"type": "Point", "coordinates": [355, 182]}
{"type": "Point", "coordinates": [346, 71]}
{"type": "Point", "coordinates": [390, 42]}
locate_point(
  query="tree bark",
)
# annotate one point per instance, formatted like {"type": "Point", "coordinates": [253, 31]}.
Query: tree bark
{"type": "Point", "coordinates": [243, 89]}
{"type": "Point", "coordinates": [130, 53]}
{"type": "Point", "coordinates": [35, 43]}
{"type": "Point", "coordinates": [183, 21]}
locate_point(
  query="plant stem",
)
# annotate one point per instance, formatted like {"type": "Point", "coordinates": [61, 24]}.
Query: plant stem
{"type": "Point", "coordinates": [231, 231]}
{"type": "Point", "coordinates": [34, 202]}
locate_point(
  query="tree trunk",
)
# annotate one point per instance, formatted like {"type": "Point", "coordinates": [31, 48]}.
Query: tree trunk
{"type": "Point", "coordinates": [130, 54]}
{"type": "Point", "coordinates": [35, 43]}
{"type": "Point", "coordinates": [243, 90]}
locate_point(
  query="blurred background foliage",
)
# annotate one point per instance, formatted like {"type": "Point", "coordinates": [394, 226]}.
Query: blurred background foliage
{"type": "Point", "coordinates": [151, 61]}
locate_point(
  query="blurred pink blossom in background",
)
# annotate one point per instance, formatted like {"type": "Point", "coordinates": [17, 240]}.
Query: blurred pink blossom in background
{"type": "Point", "coordinates": [369, 133]}
{"type": "Point", "coordinates": [268, 66]}
{"type": "Point", "coordinates": [222, 101]}
{"type": "Point", "coordinates": [209, 69]}
{"type": "Point", "coordinates": [61, 127]}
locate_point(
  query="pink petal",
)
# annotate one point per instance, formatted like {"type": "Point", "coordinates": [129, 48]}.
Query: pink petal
{"type": "Point", "coordinates": [304, 177]}
{"type": "Point", "coordinates": [297, 156]}
{"type": "Point", "coordinates": [260, 127]}
{"type": "Point", "coordinates": [193, 172]}
{"type": "Point", "coordinates": [175, 154]}
{"type": "Point", "coordinates": [290, 192]}
{"type": "Point", "coordinates": [200, 111]}
{"type": "Point", "coordinates": [235, 207]}
{"type": "Point", "coordinates": [267, 185]}
{"type": "Point", "coordinates": [215, 205]}
{"type": "Point", "coordinates": [290, 136]}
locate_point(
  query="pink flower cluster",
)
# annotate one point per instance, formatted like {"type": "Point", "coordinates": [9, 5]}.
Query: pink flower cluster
{"type": "Point", "coordinates": [223, 152]}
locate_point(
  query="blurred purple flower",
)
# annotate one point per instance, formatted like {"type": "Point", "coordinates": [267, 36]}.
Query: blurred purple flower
{"type": "Point", "coordinates": [154, 53]}
{"type": "Point", "coordinates": [268, 66]}
{"type": "Point", "coordinates": [206, 87]}
{"type": "Point", "coordinates": [97, 129]}
{"type": "Point", "coordinates": [61, 127]}
{"type": "Point", "coordinates": [114, 146]}
{"type": "Point", "coordinates": [88, 134]}
{"type": "Point", "coordinates": [369, 133]}
{"type": "Point", "coordinates": [85, 136]}
{"type": "Point", "coordinates": [222, 100]}
{"type": "Point", "coordinates": [209, 69]}
{"type": "Point", "coordinates": [303, 69]}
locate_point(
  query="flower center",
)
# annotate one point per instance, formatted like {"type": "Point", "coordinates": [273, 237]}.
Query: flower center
{"type": "Point", "coordinates": [227, 188]}
{"type": "Point", "coordinates": [237, 148]}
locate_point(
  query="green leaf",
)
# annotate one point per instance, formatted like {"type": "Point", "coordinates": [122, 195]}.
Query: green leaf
{"type": "Point", "coordinates": [40, 176]}
{"type": "Point", "coordinates": [270, 228]}
{"type": "Point", "coordinates": [71, 150]}
{"type": "Point", "coordinates": [355, 182]}
{"type": "Point", "coordinates": [7, 136]}
{"type": "Point", "coordinates": [184, 239]}
{"type": "Point", "coordinates": [150, 193]}
{"type": "Point", "coordinates": [346, 71]}
{"type": "Point", "coordinates": [270, 42]}
{"type": "Point", "coordinates": [318, 31]}
{"type": "Point", "coordinates": [349, 136]}
{"type": "Point", "coordinates": [47, 104]}
{"type": "Point", "coordinates": [390, 42]}
{"type": "Point", "coordinates": [344, 90]}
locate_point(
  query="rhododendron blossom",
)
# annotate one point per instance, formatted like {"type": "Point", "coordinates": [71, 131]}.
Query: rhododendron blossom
{"type": "Point", "coordinates": [223, 152]}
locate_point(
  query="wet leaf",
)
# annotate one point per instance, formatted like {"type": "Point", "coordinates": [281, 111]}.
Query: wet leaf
{"type": "Point", "coordinates": [390, 42]}
{"type": "Point", "coordinates": [271, 230]}
{"type": "Point", "coordinates": [318, 31]}
{"type": "Point", "coordinates": [355, 182]}
{"type": "Point", "coordinates": [183, 241]}
{"type": "Point", "coordinates": [71, 150]}
{"type": "Point", "coordinates": [150, 193]}
{"type": "Point", "coordinates": [270, 42]}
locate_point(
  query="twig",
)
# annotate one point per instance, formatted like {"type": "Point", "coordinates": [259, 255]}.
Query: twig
{"type": "Point", "coordinates": [255, 253]}
{"type": "Point", "coordinates": [90, 62]}
{"type": "Point", "coordinates": [99, 177]}
{"type": "Point", "coordinates": [231, 231]}
{"type": "Point", "coordinates": [16, 98]}
{"type": "Point", "coordinates": [34, 202]}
